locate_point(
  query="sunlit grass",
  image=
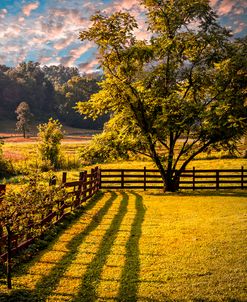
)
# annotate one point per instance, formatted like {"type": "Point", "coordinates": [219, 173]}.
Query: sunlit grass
{"type": "Point", "coordinates": [145, 246]}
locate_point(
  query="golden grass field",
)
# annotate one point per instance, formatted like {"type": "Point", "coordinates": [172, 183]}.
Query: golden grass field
{"type": "Point", "coordinates": [138, 246]}
{"type": "Point", "coordinates": [144, 246]}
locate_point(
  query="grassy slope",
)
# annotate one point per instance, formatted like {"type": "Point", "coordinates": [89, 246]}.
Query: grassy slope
{"type": "Point", "coordinates": [145, 246]}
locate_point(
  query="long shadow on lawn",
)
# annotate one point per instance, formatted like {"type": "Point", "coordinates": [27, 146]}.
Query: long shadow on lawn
{"type": "Point", "coordinates": [48, 283]}
{"type": "Point", "coordinates": [91, 279]}
{"type": "Point", "coordinates": [62, 227]}
{"type": "Point", "coordinates": [224, 193]}
{"type": "Point", "coordinates": [131, 271]}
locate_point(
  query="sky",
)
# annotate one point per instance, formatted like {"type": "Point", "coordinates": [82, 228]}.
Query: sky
{"type": "Point", "coordinates": [47, 31]}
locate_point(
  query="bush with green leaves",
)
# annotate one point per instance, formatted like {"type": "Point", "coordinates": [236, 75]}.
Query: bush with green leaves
{"type": "Point", "coordinates": [50, 135]}
{"type": "Point", "coordinates": [28, 205]}
{"type": "Point", "coordinates": [6, 168]}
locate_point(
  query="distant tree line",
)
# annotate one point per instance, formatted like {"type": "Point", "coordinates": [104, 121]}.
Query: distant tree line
{"type": "Point", "coordinates": [50, 91]}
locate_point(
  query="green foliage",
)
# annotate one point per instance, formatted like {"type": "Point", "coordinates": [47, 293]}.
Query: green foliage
{"type": "Point", "coordinates": [79, 88]}
{"type": "Point", "coordinates": [6, 168]}
{"type": "Point", "coordinates": [50, 135]}
{"type": "Point", "coordinates": [114, 143]}
{"type": "Point", "coordinates": [30, 204]}
{"type": "Point", "coordinates": [187, 83]}
{"type": "Point", "coordinates": [45, 89]}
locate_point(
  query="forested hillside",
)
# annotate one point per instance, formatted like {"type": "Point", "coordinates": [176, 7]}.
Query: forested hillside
{"type": "Point", "coordinates": [50, 91]}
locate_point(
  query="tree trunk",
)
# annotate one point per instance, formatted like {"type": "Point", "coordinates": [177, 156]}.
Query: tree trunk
{"type": "Point", "coordinates": [24, 132]}
{"type": "Point", "coordinates": [172, 182]}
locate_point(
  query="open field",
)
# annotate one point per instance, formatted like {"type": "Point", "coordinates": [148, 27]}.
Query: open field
{"type": "Point", "coordinates": [144, 246]}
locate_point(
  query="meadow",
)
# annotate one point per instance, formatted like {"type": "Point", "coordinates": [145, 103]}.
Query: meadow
{"type": "Point", "coordinates": [24, 156]}
{"type": "Point", "coordinates": [137, 246]}
{"type": "Point", "coordinates": [143, 246]}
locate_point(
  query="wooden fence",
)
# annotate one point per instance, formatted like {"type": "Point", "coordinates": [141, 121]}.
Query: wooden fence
{"type": "Point", "coordinates": [89, 183]}
{"type": "Point", "coordinates": [190, 179]}
{"type": "Point", "coordinates": [78, 192]}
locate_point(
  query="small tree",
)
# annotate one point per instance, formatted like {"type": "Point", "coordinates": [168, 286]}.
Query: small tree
{"type": "Point", "coordinates": [23, 118]}
{"type": "Point", "coordinates": [50, 135]}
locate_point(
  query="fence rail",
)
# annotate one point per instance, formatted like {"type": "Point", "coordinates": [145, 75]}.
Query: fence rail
{"type": "Point", "coordinates": [78, 192]}
{"type": "Point", "coordinates": [190, 179]}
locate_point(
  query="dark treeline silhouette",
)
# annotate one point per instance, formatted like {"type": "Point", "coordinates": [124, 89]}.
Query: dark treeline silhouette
{"type": "Point", "coordinates": [50, 91]}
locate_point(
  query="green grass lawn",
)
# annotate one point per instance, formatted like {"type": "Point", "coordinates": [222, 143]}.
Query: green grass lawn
{"type": "Point", "coordinates": [144, 246]}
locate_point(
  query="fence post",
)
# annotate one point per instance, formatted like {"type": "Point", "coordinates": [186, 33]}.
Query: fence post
{"type": "Point", "coordinates": [85, 186]}
{"type": "Point", "coordinates": [194, 178]}
{"type": "Point", "coordinates": [242, 177]}
{"type": "Point", "coordinates": [90, 184]}
{"type": "Point", "coordinates": [64, 179]}
{"type": "Point", "coordinates": [2, 192]}
{"type": "Point", "coordinates": [145, 178]}
{"type": "Point", "coordinates": [80, 187]}
{"type": "Point", "coordinates": [9, 233]}
{"type": "Point", "coordinates": [122, 179]}
{"type": "Point", "coordinates": [217, 180]}
{"type": "Point", "coordinates": [99, 179]}
{"type": "Point", "coordinates": [53, 181]}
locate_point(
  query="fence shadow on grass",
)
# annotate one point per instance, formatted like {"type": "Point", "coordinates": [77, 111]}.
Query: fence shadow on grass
{"type": "Point", "coordinates": [224, 193]}
{"type": "Point", "coordinates": [131, 271]}
{"type": "Point", "coordinates": [48, 283]}
{"type": "Point", "coordinates": [91, 278]}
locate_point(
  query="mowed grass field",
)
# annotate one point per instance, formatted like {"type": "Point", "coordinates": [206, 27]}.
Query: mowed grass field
{"type": "Point", "coordinates": [136, 245]}
{"type": "Point", "coordinates": [144, 246]}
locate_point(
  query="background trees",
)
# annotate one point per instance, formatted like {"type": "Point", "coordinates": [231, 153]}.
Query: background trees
{"type": "Point", "coordinates": [50, 91]}
{"type": "Point", "coordinates": [176, 95]}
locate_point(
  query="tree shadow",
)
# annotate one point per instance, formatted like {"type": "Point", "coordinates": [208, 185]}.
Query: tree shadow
{"type": "Point", "coordinates": [20, 295]}
{"type": "Point", "coordinates": [48, 283]}
{"type": "Point", "coordinates": [91, 279]}
{"type": "Point", "coordinates": [224, 193]}
{"type": "Point", "coordinates": [131, 272]}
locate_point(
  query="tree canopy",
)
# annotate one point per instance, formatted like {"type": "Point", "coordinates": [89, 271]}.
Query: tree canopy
{"type": "Point", "coordinates": [176, 94]}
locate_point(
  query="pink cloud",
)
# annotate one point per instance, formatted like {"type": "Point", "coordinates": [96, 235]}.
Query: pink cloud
{"type": "Point", "coordinates": [239, 11]}
{"type": "Point", "coordinates": [74, 54]}
{"type": "Point", "coordinates": [77, 52]}
{"type": "Point", "coordinates": [44, 60]}
{"type": "Point", "coordinates": [225, 7]}
{"type": "Point", "coordinates": [213, 3]}
{"type": "Point", "coordinates": [89, 67]}
{"type": "Point", "coordinates": [63, 43]}
{"type": "Point", "coordinates": [29, 7]}
{"type": "Point", "coordinates": [3, 13]}
{"type": "Point", "coordinates": [241, 26]}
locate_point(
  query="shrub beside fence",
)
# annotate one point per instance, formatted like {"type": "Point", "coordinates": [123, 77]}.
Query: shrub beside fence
{"type": "Point", "coordinates": [77, 193]}
{"type": "Point", "coordinates": [190, 179]}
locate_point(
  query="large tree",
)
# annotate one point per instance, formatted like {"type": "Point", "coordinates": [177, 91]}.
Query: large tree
{"type": "Point", "coordinates": [176, 94]}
